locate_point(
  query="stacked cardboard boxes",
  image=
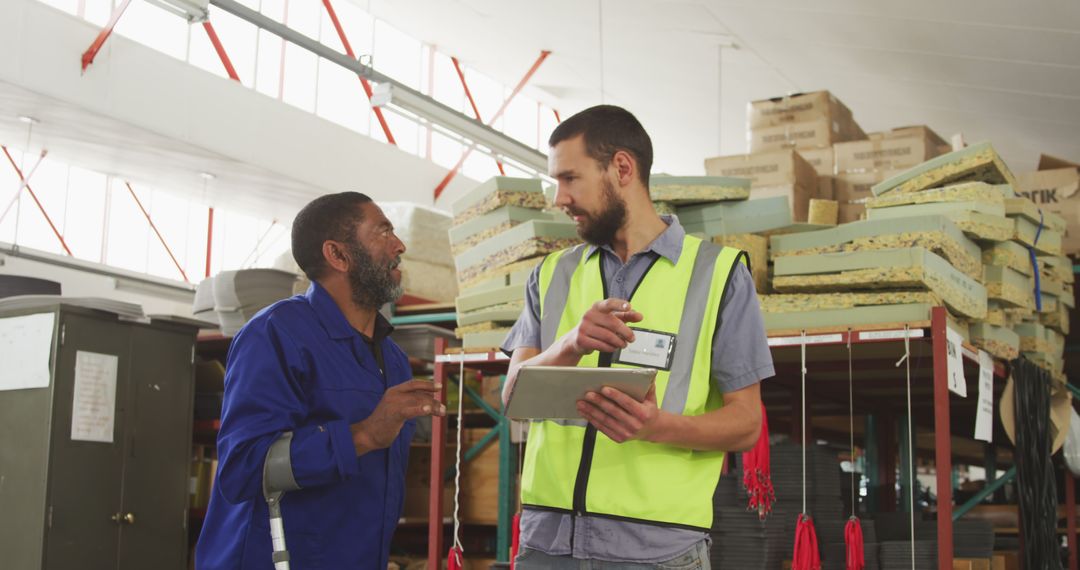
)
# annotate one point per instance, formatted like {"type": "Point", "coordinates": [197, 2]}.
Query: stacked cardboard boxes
{"type": "Point", "coordinates": [791, 149]}
{"type": "Point", "coordinates": [772, 173]}
{"type": "Point", "coordinates": [861, 164]}
{"type": "Point", "coordinates": [803, 121]}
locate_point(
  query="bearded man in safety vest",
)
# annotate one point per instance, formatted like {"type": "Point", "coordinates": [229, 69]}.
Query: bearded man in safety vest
{"type": "Point", "coordinates": [632, 482]}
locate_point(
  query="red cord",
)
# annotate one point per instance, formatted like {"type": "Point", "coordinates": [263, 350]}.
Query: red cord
{"type": "Point", "coordinates": [757, 472]}
{"type": "Point", "coordinates": [805, 556]}
{"type": "Point", "coordinates": [856, 559]}
{"type": "Point", "coordinates": [515, 538]}
{"type": "Point", "coordinates": [454, 559]}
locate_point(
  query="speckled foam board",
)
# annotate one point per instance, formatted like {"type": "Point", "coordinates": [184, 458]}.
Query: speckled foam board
{"type": "Point", "coordinates": [498, 192]}
{"type": "Point", "coordinates": [512, 271]}
{"type": "Point", "coordinates": [1057, 319]}
{"type": "Point", "coordinates": [976, 163]}
{"type": "Point", "coordinates": [908, 268]}
{"type": "Point", "coordinates": [757, 249]}
{"type": "Point", "coordinates": [1009, 287]}
{"type": "Point", "coordinates": [801, 302]}
{"type": "Point", "coordinates": [486, 339]}
{"type": "Point", "coordinates": [482, 227]}
{"type": "Point", "coordinates": [935, 233]}
{"type": "Point", "coordinates": [967, 192]}
{"type": "Point", "coordinates": [684, 190]}
{"type": "Point", "coordinates": [505, 315]}
{"type": "Point", "coordinates": [1058, 265]}
{"type": "Point", "coordinates": [490, 298]}
{"type": "Point", "coordinates": [1045, 241]}
{"type": "Point", "coordinates": [982, 221]}
{"type": "Point", "coordinates": [1024, 208]}
{"type": "Point", "coordinates": [1001, 342]}
{"type": "Point", "coordinates": [1008, 254]}
{"type": "Point", "coordinates": [744, 217]}
{"type": "Point", "coordinates": [849, 317]}
{"type": "Point", "coordinates": [493, 185]}
{"type": "Point", "coordinates": [532, 231]}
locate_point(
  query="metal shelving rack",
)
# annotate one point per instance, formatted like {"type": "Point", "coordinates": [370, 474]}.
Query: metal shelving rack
{"type": "Point", "coordinates": [879, 385]}
{"type": "Point", "coordinates": [445, 366]}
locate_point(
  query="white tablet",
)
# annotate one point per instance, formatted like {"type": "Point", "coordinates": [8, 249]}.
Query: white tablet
{"type": "Point", "coordinates": [552, 392]}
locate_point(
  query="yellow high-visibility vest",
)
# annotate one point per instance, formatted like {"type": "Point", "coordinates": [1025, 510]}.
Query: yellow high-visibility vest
{"type": "Point", "coordinates": [569, 466]}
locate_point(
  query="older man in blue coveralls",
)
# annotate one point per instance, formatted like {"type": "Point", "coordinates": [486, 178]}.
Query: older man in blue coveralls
{"type": "Point", "coordinates": [315, 384]}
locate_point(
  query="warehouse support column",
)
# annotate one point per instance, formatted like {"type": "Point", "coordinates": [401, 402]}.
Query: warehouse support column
{"type": "Point", "coordinates": [942, 439]}
{"type": "Point", "coordinates": [438, 467]}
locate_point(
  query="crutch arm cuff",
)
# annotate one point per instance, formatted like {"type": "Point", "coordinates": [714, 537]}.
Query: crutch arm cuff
{"type": "Point", "coordinates": [277, 469]}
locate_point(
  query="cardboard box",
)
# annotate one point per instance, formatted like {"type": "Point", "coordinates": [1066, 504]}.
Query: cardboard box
{"type": "Point", "coordinates": [883, 154]}
{"type": "Point", "coordinates": [822, 159]}
{"type": "Point", "coordinates": [818, 133]}
{"type": "Point", "coordinates": [795, 108]}
{"type": "Point", "coordinates": [846, 213]}
{"type": "Point", "coordinates": [798, 197]}
{"type": "Point", "coordinates": [824, 162]}
{"type": "Point", "coordinates": [773, 168]}
{"type": "Point", "coordinates": [854, 187]}
{"type": "Point", "coordinates": [913, 131]}
{"type": "Point", "coordinates": [1056, 190]}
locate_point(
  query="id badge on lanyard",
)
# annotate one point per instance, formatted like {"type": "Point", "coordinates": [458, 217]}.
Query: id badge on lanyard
{"type": "Point", "coordinates": [650, 349]}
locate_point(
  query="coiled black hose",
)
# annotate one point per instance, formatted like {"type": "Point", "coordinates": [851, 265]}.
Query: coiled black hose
{"type": "Point", "coordinates": [1036, 484]}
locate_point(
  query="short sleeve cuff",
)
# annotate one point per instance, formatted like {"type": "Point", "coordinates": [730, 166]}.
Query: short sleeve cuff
{"type": "Point", "coordinates": [748, 379]}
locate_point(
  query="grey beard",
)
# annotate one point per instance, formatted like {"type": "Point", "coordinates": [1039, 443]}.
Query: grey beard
{"type": "Point", "coordinates": [372, 285]}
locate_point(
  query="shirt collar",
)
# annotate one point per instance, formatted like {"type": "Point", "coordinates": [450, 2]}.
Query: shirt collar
{"type": "Point", "coordinates": [668, 244]}
{"type": "Point", "coordinates": [334, 321]}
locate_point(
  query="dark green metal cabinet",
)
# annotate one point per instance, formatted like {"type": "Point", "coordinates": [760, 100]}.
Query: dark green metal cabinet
{"type": "Point", "coordinates": [86, 505]}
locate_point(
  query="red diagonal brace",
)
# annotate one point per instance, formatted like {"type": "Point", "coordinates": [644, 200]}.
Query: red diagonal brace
{"type": "Point", "coordinates": [557, 118]}
{"type": "Point", "coordinates": [91, 52]}
{"type": "Point", "coordinates": [159, 236]}
{"type": "Point", "coordinates": [476, 111]}
{"type": "Point", "coordinates": [26, 183]}
{"type": "Point", "coordinates": [517, 89]}
{"type": "Point", "coordinates": [364, 82]}
{"type": "Point", "coordinates": [220, 49]}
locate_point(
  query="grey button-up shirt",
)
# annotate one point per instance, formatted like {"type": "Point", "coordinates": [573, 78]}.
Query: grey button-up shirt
{"type": "Point", "coordinates": [740, 358]}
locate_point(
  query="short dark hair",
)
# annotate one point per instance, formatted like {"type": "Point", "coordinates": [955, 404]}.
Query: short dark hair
{"type": "Point", "coordinates": [607, 130]}
{"type": "Point", "coordinates": [329, 217]}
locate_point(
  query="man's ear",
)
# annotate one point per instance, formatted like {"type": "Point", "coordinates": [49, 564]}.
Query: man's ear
{"type": "Point", "coordinates": [335, 256]}
{"type": "Point", "coordinates": [625, 167]}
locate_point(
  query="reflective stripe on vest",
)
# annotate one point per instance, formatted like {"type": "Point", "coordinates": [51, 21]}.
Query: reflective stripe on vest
{"type": "Point", "coordinates": [611, 479]}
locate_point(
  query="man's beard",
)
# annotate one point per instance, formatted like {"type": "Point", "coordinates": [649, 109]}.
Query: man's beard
{"type": "Point", "coordinates": [601, 229]}
{"type": "Point", "coordinates": [372, 283]}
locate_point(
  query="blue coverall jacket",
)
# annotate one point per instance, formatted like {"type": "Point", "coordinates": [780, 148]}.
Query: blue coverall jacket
{"type": "Point", "coordinates": [299, 366]}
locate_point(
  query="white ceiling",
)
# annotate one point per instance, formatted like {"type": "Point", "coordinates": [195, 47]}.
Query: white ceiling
{"type": "Point", "coordinates": [997, 70]}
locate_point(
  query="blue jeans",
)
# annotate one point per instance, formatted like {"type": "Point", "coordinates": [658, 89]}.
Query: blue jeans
{"type": "Point", "coordinates": [697, 558]}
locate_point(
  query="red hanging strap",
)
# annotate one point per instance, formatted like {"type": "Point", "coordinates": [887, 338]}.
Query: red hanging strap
{"type": "Point", "coordinates": [757, 472]}
{"type": "Point", "coordinates": [856, 559]}
{"type": "Point", "coordinates": [515, 538]}
{"type": "Point", "coordinates": [805, 556]}
{"type": "Point", "coordinates": [454, 559]}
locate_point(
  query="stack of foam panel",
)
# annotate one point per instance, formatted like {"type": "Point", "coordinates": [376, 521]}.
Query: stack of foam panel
{"type": "Point", "coordinates": [500, 233]}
